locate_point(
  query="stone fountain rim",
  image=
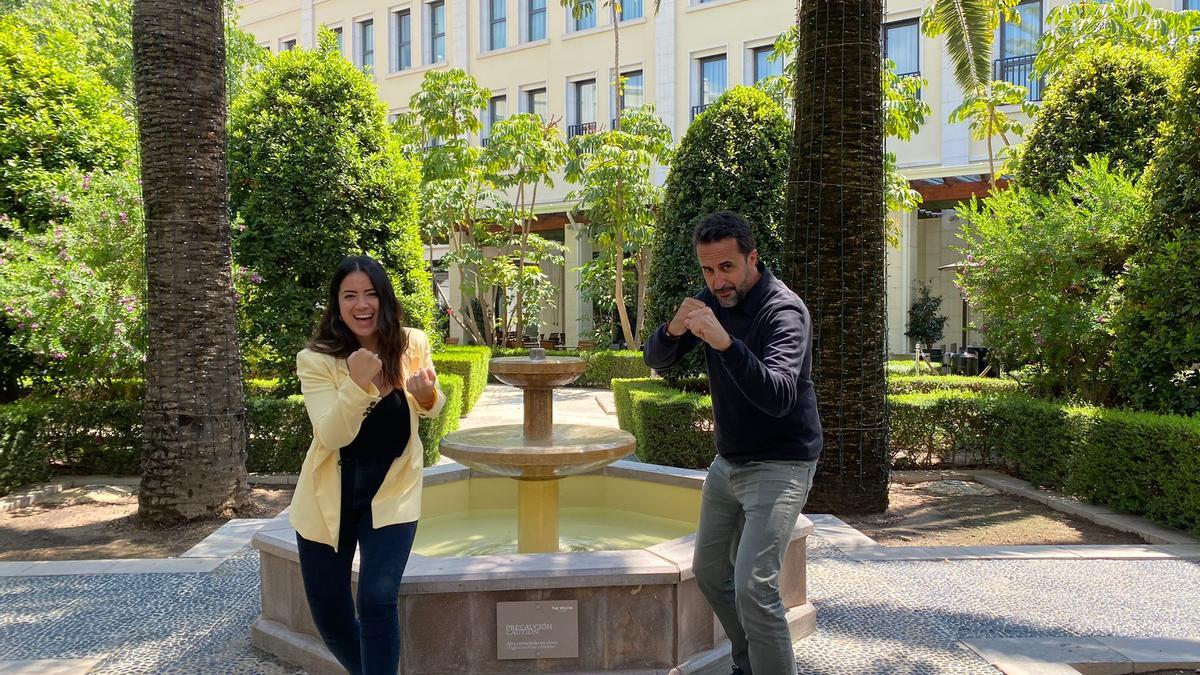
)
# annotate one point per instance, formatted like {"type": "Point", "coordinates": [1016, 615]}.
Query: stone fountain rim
{"type": "Point", "coordinates": [667, 562]}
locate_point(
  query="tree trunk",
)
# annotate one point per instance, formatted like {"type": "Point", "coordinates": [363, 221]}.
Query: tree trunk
{"type": "Point", "coordinates": [194, 462]}
{"type": "Point", "coordinates": [835, 247]}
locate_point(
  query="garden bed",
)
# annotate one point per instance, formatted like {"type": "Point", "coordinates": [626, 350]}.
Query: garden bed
{"type": "Point", "coordinates": [100, 522]}
{"type": "Point", "coordinates": [962, 513]}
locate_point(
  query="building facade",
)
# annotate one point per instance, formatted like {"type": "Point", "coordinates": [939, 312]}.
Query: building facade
{"type": "Point", "coordinates": [536, 57]}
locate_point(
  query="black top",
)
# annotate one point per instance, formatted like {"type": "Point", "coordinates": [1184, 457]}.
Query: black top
{"type": "Point", "coordinates": [385, 430]}
{"type": "Point", "coordinates": [764, 404]}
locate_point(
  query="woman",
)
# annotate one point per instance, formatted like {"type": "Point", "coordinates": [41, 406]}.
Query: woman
{"type": "Point", "coordinates": [366, 380]}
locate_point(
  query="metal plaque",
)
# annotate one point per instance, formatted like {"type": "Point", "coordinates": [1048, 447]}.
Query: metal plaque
{"type": "Point", "coordinates": [542, 629]}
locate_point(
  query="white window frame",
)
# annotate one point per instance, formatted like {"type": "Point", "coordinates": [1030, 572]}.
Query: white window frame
{"type": "Point", "coordinates": [357, 42]}
{"type": "Point", "coordinates": [427, 33]}
{"type": "Point", "coordinates": [696, 69]}
{"type": "Point", "coordinates": [394, 12]}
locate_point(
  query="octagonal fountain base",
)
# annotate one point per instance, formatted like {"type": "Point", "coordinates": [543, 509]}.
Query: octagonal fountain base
{"type": "Point", "coordinates": [639, 608]}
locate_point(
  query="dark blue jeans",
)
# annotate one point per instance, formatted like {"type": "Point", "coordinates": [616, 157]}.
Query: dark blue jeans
{"type": "Point", "coordinates": [368, 643]}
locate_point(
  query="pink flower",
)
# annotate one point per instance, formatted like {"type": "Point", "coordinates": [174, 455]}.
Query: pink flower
{"type": "Point", "coordinates": [87, 180]}
{"type": "Point", "coordinates": [125, 219]}
{"type": "Point", "coordinates": [255, 278]}
{"type": "Point", "coordinates": [59, 356]}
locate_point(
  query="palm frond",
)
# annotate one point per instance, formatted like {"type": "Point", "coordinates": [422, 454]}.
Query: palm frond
{"type": "Point", "coordinates": [968, 26]}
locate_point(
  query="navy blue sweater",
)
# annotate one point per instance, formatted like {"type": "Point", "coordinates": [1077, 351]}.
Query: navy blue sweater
{"type": "Point", "coordinates": [764, 404]}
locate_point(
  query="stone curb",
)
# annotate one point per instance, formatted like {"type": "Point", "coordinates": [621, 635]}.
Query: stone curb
{"type": "Point", "coordinates": [1091, 656]}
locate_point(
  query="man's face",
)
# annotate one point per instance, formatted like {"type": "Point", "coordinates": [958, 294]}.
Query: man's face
{"type": "Point", "coordinates": [729, 274]}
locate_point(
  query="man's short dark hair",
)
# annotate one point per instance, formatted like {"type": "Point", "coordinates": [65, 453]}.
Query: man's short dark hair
{"type": "Point", "coordinates": [722, 225]}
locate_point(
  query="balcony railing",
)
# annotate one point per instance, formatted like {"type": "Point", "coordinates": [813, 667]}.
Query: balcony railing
{"type": "Point", "coordinates": [1019, 70]}
{"type": "Point", "coordinates": [483, 142]}
{"type": "Point", "coordinates": [579, 129]}
{"type": "Point", "coordinates": [697, 109]}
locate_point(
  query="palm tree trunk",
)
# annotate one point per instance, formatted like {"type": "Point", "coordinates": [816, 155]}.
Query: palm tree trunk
{"type": "Point", "coordinates": [835, 247]}
{"type": "Point", "coordinates": [194, 463]}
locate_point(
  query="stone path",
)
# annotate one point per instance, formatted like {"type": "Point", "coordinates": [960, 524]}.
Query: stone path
{"type": "Point", "coordinates": [874, 616]}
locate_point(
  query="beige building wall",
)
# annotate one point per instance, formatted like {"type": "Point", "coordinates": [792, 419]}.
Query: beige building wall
{"type": "Point", "coordinates": [667, 48]}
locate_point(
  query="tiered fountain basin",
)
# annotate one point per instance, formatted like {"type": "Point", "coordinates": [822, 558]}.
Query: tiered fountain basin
{"type": "Point", "coordinates": [627, 533]}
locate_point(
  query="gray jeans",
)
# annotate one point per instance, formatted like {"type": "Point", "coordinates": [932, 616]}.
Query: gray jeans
{"type": "Point", "coordinates": [747, 514]}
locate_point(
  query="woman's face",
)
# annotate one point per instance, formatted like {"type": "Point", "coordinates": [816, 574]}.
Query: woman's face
{"type": "Point", "coordinates": [358, 305]}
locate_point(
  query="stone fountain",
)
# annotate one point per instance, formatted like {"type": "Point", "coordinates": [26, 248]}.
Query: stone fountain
{"type": "Point", "coordinates": [538, 453]}
{"type": "Point", "coordinates": [627, 604]}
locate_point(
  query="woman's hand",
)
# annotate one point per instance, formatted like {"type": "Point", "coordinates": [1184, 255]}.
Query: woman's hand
{"type": "Point", "coordinates": [423, 386]}
{"type": "Point", "coordinates": [364, 365]}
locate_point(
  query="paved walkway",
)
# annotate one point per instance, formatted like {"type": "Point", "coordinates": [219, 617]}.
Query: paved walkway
{"type": "Point", "coordinates": [874, 616]}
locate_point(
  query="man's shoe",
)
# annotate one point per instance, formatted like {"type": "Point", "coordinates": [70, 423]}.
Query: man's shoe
{"type": "Point", "coordinates": [737, 671]}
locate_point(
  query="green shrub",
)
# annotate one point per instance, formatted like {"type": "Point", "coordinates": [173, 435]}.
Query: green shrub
{"type": "Point", "coordinates": [733, 156]}
{"type": "Point", "coordinates": [1158, 327]}
{"type": "Point", "coordinates": [1108, 101]}
{"type": "Point", "coordinates": [433, 429]}
{"type": "Point", "coordinates": [315, 169]}
{"type": "Point", "coordinates": [912, 384]}
{"type": "Point", "coordinates": [59, 121]}
{"type": "Point", "coordinates": [22, 459]}
{"type": "Point", "coordinates": [278, 434]}
{"type": "Point", "coordinates": [672, 427]}
{"type": "Point", "coordinates": [1047, 274]}
{"type": "Point", "coordinates": [471, 366]}
{"type": "Point", "coordinates": [1138, 462]}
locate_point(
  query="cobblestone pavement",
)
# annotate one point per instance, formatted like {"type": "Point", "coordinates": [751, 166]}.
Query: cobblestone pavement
{"type": "Point", "coordinates": [873, 616]}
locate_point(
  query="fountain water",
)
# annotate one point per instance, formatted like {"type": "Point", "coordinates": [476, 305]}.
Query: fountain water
{"type": "Point", "coordinates": [637, 607]}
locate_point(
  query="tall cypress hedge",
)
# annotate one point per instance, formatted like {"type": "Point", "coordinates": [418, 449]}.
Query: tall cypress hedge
{"type": "Point", "coordinates": [733, 156]}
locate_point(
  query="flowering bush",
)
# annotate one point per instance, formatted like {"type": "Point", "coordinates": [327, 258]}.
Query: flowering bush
{"type": "Point", "coordinates": [72, 296]}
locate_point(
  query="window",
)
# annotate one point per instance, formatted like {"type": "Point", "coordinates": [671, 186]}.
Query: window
{"type": "Point", "coordinates": [1018, 47]}
{"type": "Point", "coordinates": [537, 20]}
{"type": "Point", "coordinates": [536, 102]}
{"type": "Point", "coordinates": [631, 9]}
{"type": "Point", "coordinates": [587, 20]}
{"type": "Point", "coordinates": [498, 24]}
{"type": "Point", "coordinates": [1193, 5]}
{"type": "Point", "coordinates": [901, 44]}
{"type": "Point", "coordinates": [634, 93]}
{"type": "Point", "coordinates": [497, 110]}
{"type": "Point", "coordinates": [287, 45]}
{"type": "Point", "coordinates": [712, 80]}
{"type": "Point", "coordinates": [763, 66]}
{"type": "Point", "coordinates": [341, 41]}
{"type": "Point", "coordinates": [437, 31]}
{"type": "Point", "coordinates": [401, 40]}
{"type": "Point", "coordinates": [585, 108]}
{"type": "Point", "coordinates": [366, 45]}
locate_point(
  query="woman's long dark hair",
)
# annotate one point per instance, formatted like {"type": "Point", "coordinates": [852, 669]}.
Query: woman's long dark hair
{"type": "Point", "coordinates": [335, 338]}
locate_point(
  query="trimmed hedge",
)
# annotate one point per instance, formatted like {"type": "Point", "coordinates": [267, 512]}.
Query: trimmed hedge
{"type": "Point", "coordinates": [469, 363]}
{"type": "Point", "coordinates": [434, 429]}
{"type": "Point", "coordinates": [1140, 463]}
{"type": "Point", "coordinates": [911, 384]}
{"type": "Point", "coordinates": [672, 427]}
{"type": "Point", "coordinates": [41, 438]}
{"type": "Point", "coordinates": [602, 365]}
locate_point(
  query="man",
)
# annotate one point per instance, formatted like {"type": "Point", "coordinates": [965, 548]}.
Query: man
{"type": "Point", "coordinates": [757, 346]}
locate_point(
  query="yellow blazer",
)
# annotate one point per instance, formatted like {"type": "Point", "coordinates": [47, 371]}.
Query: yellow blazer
{"type": "Point", "coordinates": [337, 407]}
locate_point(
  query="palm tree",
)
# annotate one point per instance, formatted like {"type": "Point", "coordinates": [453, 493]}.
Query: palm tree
{"type": "Point", "coordinates": [194, 463]}
{"type": "Point", "coordinates": [969, 27]}
{"type": "Point", "coordinates": [834, 245]}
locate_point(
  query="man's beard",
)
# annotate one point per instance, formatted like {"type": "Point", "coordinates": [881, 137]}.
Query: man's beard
{"type": "Point", "coordinates": [732, 300]}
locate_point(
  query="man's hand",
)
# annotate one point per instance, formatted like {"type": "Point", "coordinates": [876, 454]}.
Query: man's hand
{"type": "Point", "coordinates": [421, 385]}
{"type": "Point", "coordinates": [678, 326]}
{"type": "Point", "coordinates": [704, 325]}
{"type": "Point", "coordinates": [364, 365]}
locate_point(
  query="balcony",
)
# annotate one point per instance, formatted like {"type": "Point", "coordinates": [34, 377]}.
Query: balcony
{"type": "Point", "coordinates": [580, 129]}
{"type": "Point", "coordinates": [483, 142]}
{"type": "Point", "coordinates": [1019, 70]}
{"type": "Point", "coordinates": [697, 109]}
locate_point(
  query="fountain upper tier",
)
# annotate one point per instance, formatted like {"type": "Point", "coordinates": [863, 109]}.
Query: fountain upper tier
{"type": "Point", "coordinates": [505, 450]}
{"type": "Point", "coordinates": [527, 373]}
